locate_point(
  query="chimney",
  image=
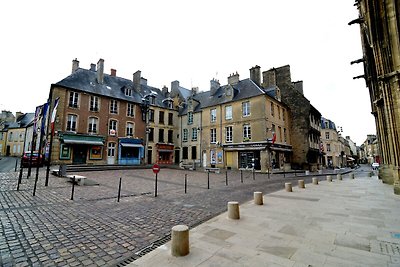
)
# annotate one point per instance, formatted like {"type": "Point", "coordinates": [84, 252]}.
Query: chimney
{"type": "Point", "coordinates": [214, 85]}
{"type": "Point", "coordinates": [195, 90]}
{"type": "Point", "coordinates": [75, 65]}
{"type": "Point", "coordinates": [100, 71]}
{"type": "Point", "coordinates": [175, 87]}
{"type": "Point", "coordinates": [17, 114]}
{"type": "Point", "coordinates": [233, 78]}
{"type": "Point", "coordinates": [113, 72]}
{"type": "Point", "coordinates": [255, 75]}
{"type": "Point", "coordinates": [136, 80]}
{"type": "Point", "coordinates": [269, 78]}
{"type": "Point", "coordinates": [298, 86]}
{"type": "Point", "coordinates": [164, 91]}
{"type": "Point", "coordinates": [93, 67]}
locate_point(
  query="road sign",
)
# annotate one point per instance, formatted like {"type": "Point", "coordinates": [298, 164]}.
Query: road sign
{"type": "Point", "coordinates": [156, 168]}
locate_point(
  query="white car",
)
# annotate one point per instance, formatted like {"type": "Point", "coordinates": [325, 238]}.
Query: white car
{"type": "Point", "coordinates": [375, 165]}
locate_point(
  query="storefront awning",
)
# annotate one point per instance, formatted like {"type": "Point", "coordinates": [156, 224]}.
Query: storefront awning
{"type": "Point", "coordinates": [244, 148]}
{"type": "Point", "coordinates": [82, 139]}
{"type": "Point", "coordinates": [281, 149]}
{"type": "Point", "coordinates": [131, 145]}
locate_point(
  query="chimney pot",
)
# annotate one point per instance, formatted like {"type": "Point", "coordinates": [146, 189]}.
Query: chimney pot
{"type": "Point", "coordinates": [255, 75]}
{"type": "Point", "coordinates": [93, 67]}
{"type": "Point", "coordinates": [233, 78]}
{"type": "Point", "coordinates": [113, 72]}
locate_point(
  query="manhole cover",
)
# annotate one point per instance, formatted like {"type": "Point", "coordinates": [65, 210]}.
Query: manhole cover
{"type": "Point", "coordinates": [391, 249]}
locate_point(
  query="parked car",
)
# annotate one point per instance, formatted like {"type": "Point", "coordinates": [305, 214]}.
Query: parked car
{"type": "Point", "coordinates": [36, 159]}
{"type": "Point", "coordinates": [375, 165]}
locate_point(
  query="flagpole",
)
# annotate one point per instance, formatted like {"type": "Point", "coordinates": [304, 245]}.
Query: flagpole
{"type": "Point", "coordinates": [52, 120]}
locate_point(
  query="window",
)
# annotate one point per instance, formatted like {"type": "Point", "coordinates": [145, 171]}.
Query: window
{"type": "Point", "coordinates": [170, 119]}
{"type": "Point", "coordinates": [161, 135]}
{"type": "Point", "coordinates": [169, 103]}
{"type": "Point", "coordinates": [129, 129]}
{"type": "Point", "coordinates": [279, 112]}
{"type": "Point", "coordinates": [113, 106]}
{"type": "Point", "coordinates": [185, 135]}
{"type": "Point", "coordinates": [284, 135]}
{"type": "Point", "coordinates": [228, 134]}
{"type": "Point", "coordinates": [73, 99]}
{"type": "Point", "coordinates": [194, 134]}
{"type": "Point", "coordinates": [327, 135]}
{"type": "Point", "coordinates": [112, 127]}
{"type": "Point", "coordinates": [151, 134]}
{"type": "Point", "coordinates": [328, 147]}
{"type": "Point", "coordinates": [128, 91]}
{"type": "Point", "coordinates": [228, 112]}
{"type": "Point", "coordinates": [246, 109]}
{"type": "Point", "coordinates": [185, 153]}
{"type": "Point", "coordinates": [151, 115]}
{"type": "Point", "coordinates": [246, 132]}
{"type": "Point", "coordinates": [194, 152]}
{"type": "Point", "coordinates": [280, 133]}
{"type": "Point", "coordinates": [152, 100]}
{"type": "Point", "coordinates": [213, 115]}
{"type": "Point", "coordinates": [213, 135]}
{"type": "Point", "coordinates": [272, 109]}
{"type": "Point", "coordinates": [94, 103]}
{"type": "Point", "coordinates": [111, 150]}
{"type": "Point", "coordinates": [130, 110]}
{"type": "Point", "coordinates": [170, 136]}
{"type": "Point", "coordinates": [93, 122]}
{"type": "Point", "coordinates": [71, 123]}
{"type": "Point", "coordinates": [10, 136]}
{"type": "Point", "coordinates": [283, 114]}
{"type": "Point", "coordinates": [161, 117]}
{"type": "Point", "coordinates": [190, 117]}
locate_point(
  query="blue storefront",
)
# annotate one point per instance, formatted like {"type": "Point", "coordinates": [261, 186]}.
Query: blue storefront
{"type": "Point", "coordinates": [131, 151]}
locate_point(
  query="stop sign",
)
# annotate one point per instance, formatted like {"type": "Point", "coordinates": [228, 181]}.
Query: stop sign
{"type": "Point", "coordinates": [156, 168]}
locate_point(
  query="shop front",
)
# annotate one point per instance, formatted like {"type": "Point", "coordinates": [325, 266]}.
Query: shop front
{"type": "Point", "coordinates": [130, 151]}
{"type": "Point", "coordinates": [81, 149]}
{"type": "Point", "coordinates": [165, 153]}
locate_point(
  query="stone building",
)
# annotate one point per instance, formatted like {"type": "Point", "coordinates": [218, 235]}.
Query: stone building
{"type": "Point", "coordinates": [101, 119]}
{"type": "Point", "coordinates": [379, 29]}
{"type": "Point", "coordinates": [330, 144]}
{"type": "Point", "coordinates": [305, 120]}
{"type": "Point", "coordinates": [244, 125]}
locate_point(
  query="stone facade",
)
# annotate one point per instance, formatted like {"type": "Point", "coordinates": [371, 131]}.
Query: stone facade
{"type": "Point", "coordinates": [379, 29]}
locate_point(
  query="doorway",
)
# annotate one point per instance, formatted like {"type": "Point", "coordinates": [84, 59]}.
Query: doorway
{"type": "Point", "coordinates": [79, 154]}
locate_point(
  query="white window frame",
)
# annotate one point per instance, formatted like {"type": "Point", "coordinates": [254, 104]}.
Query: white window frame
{"type": "Point", "coordinates": [73, 101]}
{"type": "Point", "coordinates": [190, 118]}
{"type": "Point", "coordinates": [72, 121]}
{"type": "Point", "coordinates": [92, 124]}
{"type": "Point", "coordinates": [213, 135]}
{"type": "Point", "coordinates": [228, 112]}
{"type": "Point", "coordinates": [229, 134]}
{"type": "Point", "coordinates": [185, 135]}
{"type": "Point", "coordinates": [113, 125]}
{"type": "Point", "coordinates": [113, 106]}
{"type": "Point", "coordinates": [246, 109]}
{"type": "Point", "coordinates": [130, 110]}
{"type": "Point", "coordinates": [194, 134]}
{"type": "Point", "coordinates": [94, 103]}
{"type": "Point", "coordinates": [130, 126]}
{"type": "Point", "coordinates": [111, 149]}
{"type": "Point", "coordinates": [246, 132]}
{"type": "Point", "coordinates": [213, 115]}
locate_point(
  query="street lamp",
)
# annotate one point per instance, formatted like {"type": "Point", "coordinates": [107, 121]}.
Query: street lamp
{"type": "Point", "coordinates": [145, 110]}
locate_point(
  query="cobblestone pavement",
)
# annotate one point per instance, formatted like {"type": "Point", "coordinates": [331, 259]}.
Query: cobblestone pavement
{"type": "Point", "coordinates": [93, 229]}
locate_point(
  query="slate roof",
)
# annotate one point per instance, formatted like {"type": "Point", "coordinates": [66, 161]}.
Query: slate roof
{"type": "Point", "coordinates": [22, 121]}
{"type": "Point", "coordinates": [331, 124]}
{"type": "Point", "coordinates": [114, 87]}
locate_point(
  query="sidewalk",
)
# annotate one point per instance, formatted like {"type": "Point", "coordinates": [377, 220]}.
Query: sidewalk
{"type": "Point", "coordinates": [340, 223]}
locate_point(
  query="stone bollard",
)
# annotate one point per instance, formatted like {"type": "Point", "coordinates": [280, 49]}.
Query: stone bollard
{"type": "Point", "coordinates": [315, 180]}
{"type": "Point", "coordinates": [233, 210]}
{"type": "Point", "coordinates": [339, 176]}
{"type": "Point", "coordinates": [307, 172]}
{"type": "Point", "coordinates": [180, 240]}
{"type": "Point", "coordinates": [319, 171]}
{"type": "Point", "coordinates": [301, 184]}
{"type": "Point", "coordinates": [258, 198]}
{"type": "Point", "coordinates": [329, 178]}
{"type": "Point", "coordinates": [288, 187]}
{"type": "Point", "coordinates": [351, 175]}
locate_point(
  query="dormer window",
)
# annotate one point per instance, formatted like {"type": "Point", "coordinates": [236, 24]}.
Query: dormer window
{"type": "Point", "coordinates": [169, 103]}
{"type": "Point", "coordinates": [152, 100]}
{"type": "Point", "coordinates": [128, 91]}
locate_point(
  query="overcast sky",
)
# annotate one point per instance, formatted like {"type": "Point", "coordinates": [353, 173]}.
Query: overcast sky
{"type": "Point", "coordinates": [189, 41]}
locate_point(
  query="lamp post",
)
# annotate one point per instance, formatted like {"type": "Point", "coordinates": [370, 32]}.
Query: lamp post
{"type": "Point", "coordinates": [145, 110]}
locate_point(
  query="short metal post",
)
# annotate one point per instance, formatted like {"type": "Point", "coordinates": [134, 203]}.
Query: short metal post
{"type": "Point", "coordinates": [119, 189]}
{"type": "Point", "coordinates": [155, 186]}
{"type": "Point", "coordinates": [208, 180]}
{"type": "Point", "coordinates": [295, 173]}
{"type": "Point", "coordinates": [284, 172]}
{"type": "Point", "coordinates": [19, 178]}
{"type": "Point", "coordinates": [16, 163]}
{"type": "Point", "coordinates": [185, 183]}
{"type": "Point", "coordinates": [241, 176]}
{"type": "Point", "coordinates": [73, 188]}
{"type": "Point", "coordinates": [254, 174]}
{"type": "Point", "coordinates": [226, 177]}
{"type": "Point", "coordinates": [268, 173]}
{"type": "Point", "coordinates": [34, 187]}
